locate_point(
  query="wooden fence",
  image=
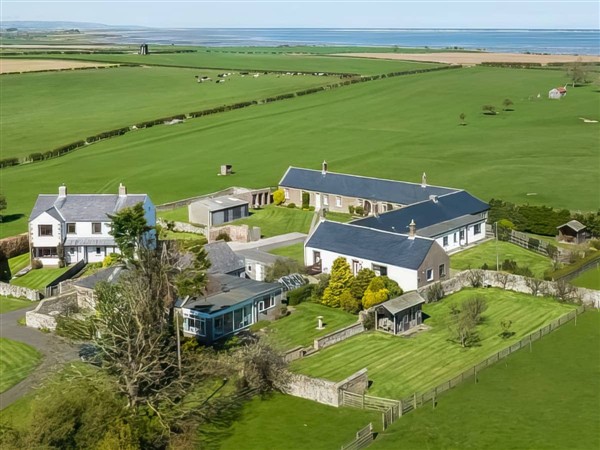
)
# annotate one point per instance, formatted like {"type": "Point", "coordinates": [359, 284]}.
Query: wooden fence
{"type": "Point", "coordinates": [363, 439]}
{"type": "Point", "coordinates": [390, 409]}
{"type": "Point", "coordinates": [522, 240]}
{"type": "Point", "coordinates": [417, 400]}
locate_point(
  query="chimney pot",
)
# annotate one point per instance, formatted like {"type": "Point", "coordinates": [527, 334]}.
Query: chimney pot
{"type": "Point", "coordinates": [324, 168]}
{"type": "Point", "coordinates": [62, 191]}
{"type": "Point", "coordinates": [424, 180]}
{"type": "Point", "coordinates": [122, 190]}
{"type": "Point", "coordinates": [412, 229]}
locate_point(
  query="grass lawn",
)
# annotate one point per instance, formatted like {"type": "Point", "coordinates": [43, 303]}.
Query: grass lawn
{"type": "Point", "coordinates": [589, 279]}
{"type": "Point", "coordinates": [39, 278]}
{"type": "Point", "coordinates": [8, 304]}
{"type": "Point", "coordinates": [176, 215]}
{"type": "Point", "coordinates": [16, 361]}
{"type": "Point", "coordinates": [170, 235]}
{"type": "Point", "coordinates": [357, 129]}
{"type": "Point", "coordinates": [400, 366]}
{"type": "Point", "coordinates": [71, 105]}
{"type": "Point", "coordinates": [300, 327]}
{"type": "Point", "coordinates": [274, 220]}
{"type": "Point", "coordinates": [285, 422]}
{"type": "Point", "coordinates": [294, 251]}
{"type": "Point", "coordinates": [18, 262]}
{"type": "Point", "coordinates": [547, 399]}
{"type": "Point", "coordinates": [475, 257]}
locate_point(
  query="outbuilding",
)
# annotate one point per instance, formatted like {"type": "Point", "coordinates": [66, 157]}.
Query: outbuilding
{"type": "Point", "coordinates": [216, 211]}
{"type": "Point", "coordinates": [399, 314]}
{"type": "Point", "coordinates": [573, 232]}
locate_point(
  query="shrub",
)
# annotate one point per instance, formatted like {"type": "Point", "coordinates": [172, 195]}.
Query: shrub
{"type": "Point", "coordinates": [369, 320]}
{"type": "Point", "coordinates": [351, 209]}
{"type": "Point", "coordinates": [36, 264]}
{"type": "Point", "coordinates": [300, 294]}
{"type": "Point", "coordinates": [349, 302]}
{"type": "Point", "coordinates": [359, 210]}
{"type": "Point", "coordinates": [434, 293]}
{"type": "Point", "coordinates": [223, 236]}
{"type": "Point", "coordinates": [305, 200]}
{"type": "Point", "coordinates": [475, 277]}
{"type": "Point", "coordinates": [533, 244]}
{"type": "Point", "coordinates": [281, 267]}
{"type": "Point", "coordinates": [340, 281]}
{"type": "Point", "coordinates": [111, 259]}
{"type": "Point", "coordinates": [376, 293]}
{"type": "Point", "coordinates": [311, 208]}
{"type": "Point", "coordinates": [278, 197]}
{"type": "Point", "coordinates": [291, 205]}
{"type": "Point", "coordinates": [35, 156]}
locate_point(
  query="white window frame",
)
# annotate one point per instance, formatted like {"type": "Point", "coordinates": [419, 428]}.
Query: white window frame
{"type": "Point", "coordinates": [442, 270]}
{"type": "Point", "coordinates": [429, 274]}
{"type": "Point", "coordinates": [477, 228]}
{"type": "Point", "coordinates": [325, 199]}
{"type": "Point", "coordinates": [45, 228]}
{"type": "Point", "coordinates": [338, 201]}
{"type": "Point", "coordinates": [74, 228]}
{"type": "Point", "coordinates": [445, 241]}
{"type": "Point", "coordinates": [286, 194]}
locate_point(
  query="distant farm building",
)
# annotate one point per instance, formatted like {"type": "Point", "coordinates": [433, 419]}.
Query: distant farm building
{"type": "Point", "coordinates": [217, 211]}
{"type": "Point", "coordinates": [143, 49]}
{"type": "Point", "coordinates": [557, 93]}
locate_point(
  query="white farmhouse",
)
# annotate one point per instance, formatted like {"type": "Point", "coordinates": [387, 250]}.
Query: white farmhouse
{"type": "Point", "coordinates": [78, 225]}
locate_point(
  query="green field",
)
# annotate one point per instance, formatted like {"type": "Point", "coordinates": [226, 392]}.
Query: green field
{"type": "Point", "coordinates": [18, 262]}
{"type": "Point", "coordinates": [284, 422]}
{"type": "Point", "coordinates": [528, 401]}
{"type": "Point", "coordinates": [295, 251]}
{"type": "Point", "coordinates": [485, 253]}
{"type": "Point", "coordinates": [39, 278]}
{"type": "Point", "coordinates": [8, 304]}
{"type": "Point", "coordinates": [259, 62]}
{"type": "Point", "coordinates": [365, 129]}
{"type": "Point", "coordinates": [176, 215]}
{"type": "Point", "coordinates": [399, 366]}
{"type": "Point", "coordinates": [17, 360]}
{"type": "Point", "coordinates": [300, 327]}
{"type": "Point", "coordinates": [589, 279]}
{"type": "Point", "coordinates": [70, 106]}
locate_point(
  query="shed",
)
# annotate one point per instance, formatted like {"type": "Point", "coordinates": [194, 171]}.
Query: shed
{"type": "Point", "coordinates": [399, 314]}
{"type": "Point", "coordinates": [218, 210]}
{"type": "Point", "coordinates": [573, 231]}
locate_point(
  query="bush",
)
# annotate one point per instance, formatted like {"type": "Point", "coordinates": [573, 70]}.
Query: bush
{"type": "Point", "coordinates": [311, 208]}
{"type": "Point", "coordinates": [359, 210]}
{"type": "Point", "coordinates": [305, 200]}
{"type": "Point", "coordinates": [349, 303]}
{"type": "Point", "coordinates": [35, 156]}
{"type": "Point", "coordinates": [291, 205]}
{"type": "Point", "coordinates": [301, 294]}
{"type": "Point", "coordinates": [278, 197]}
{"type": "Point", "coordinates": [351, 209]}
{"type": "Point", "coordinates": [111, 259]}
{"type": "Point", "coordinates": [223, 236]}
{"type": "Point", "coordinates": [36, 264]}
{"type": "Point", "coordinates": [369, 320]}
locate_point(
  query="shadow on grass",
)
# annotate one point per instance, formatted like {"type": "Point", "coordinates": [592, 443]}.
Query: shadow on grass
{"type": "Point", "coordinates": [11, 217]}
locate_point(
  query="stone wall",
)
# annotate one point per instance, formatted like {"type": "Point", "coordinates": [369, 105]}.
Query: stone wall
{"type": "Point", "coordinates": [237, 233]}
{"type": "Point", "coordinates": [297, 353]}
{"type": "Point", "coordinates": [242, 193]}
{"type": "Point", "coordinates": [325, 391]}
{"type": "Point", "coordinates": [338, 336]}
{"type": "Point", "coordinates": [517, 283]}
{"type": "Point", "coordinates": [44, 316]}
{"type": "Point", "coordinates": [183, 227]}
{"type": "Point", "coordinates": [19, 292]}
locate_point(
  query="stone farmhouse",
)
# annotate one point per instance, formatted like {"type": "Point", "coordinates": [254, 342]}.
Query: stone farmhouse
{"type": "Point", "coordinates": [410, 260]}
{"type": "Point", "coordinates": [230, 305]}
{"type": "Point", "coordinates": [75, 227]}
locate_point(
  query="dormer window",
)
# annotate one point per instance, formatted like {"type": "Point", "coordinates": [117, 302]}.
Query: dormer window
{"type": "Point", "coordinates": [71, 228]}
{"type": "Point", "coordinates": [96, 228]}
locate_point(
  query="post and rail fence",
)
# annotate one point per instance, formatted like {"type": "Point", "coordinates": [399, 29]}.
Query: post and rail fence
{"type": "Point", "coordinates": [363, 439]}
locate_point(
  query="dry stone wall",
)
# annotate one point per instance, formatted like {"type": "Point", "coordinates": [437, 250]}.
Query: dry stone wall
{"type": "Point", "coordinates": [325, 391]}
{"type": "Point", "coordinates": [338, 336]}
{"type": "Point", "coordinates": [44, 316]}
{"type": "Point", "coordinates": [19, 292]}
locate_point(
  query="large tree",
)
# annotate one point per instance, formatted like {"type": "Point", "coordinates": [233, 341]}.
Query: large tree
{"type": "Point", "coordinates": [463, 322]}
{"type": "Point", "coordinates": [577, 73]}
{"type": "Point", "coordinates": [130, 230]}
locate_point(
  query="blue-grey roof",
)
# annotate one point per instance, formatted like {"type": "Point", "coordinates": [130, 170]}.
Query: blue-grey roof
{"type": "Point", "coordinates": [375, 245]}
{"type": "Point", "coordinates": [426, 214]}
{"type": "Point", "coordinates": [222, 258]}
{"type": "Point", "coordinates": [399, 192]}
{"type": "Point", "coordinates": [84, 207]}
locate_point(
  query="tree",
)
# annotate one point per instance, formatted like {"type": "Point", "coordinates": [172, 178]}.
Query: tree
{"type": "Point", "coordinates": [349, 303]}
{"type": "Point", "coordinates": [340, 280]}
{"type": "Point", "coordinates": [463, 322]}
{"type": "Point", "coordinates": [278, 197]}
{"type": "Point", "coordinates": [489, 110]}
{"type": "Point", "coordinates": [507, 103]}
{"type": "Point", "coordinates": [376, 293]}
{"type": "Point", "coordinates": [462, 117]}
{"type": "Point", "coordinates": [2, 205]}
{"type": "Point", "coordinates": [576, 72]}
{"type": "Point", "coordinates": [534, 285]}
{"type": "Point", "coordinates": [361, 283]}
{"type": "Point", "coordinates": [130, 230]}
{"type": "Point", "coordinates": [394, 289]}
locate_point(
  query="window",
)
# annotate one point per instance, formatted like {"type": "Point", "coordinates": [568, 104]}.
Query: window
{"type": "Point", "coordinates": [325, 199]}
{"type": "Point", "coordinates": [356, 266]}
{"type": "Point", "coordinates": [71, 250]}
{"type": "Point", "coordinates": [96, 228]}
{"type": "Point", "coordinates": [445, 241]}
{"type": "Point", "coordinates": [442, 270]}
{"type": "Point", "coordinates": [338, 201]}
{"type": "Point", "coordinates": [286, 194]}
{"type": "Point", "coordinates": [462, 235]}
{"type": "Point", "coordinates": [380, 271]}
{"type": "Point", "coordinates": [429, 274]}
{"type": "Point", "coordinates": [46, 252]}
{"type": "Point", "coordinates": [249, 268]}
{"type": "Point", "coordinates": [268, 301]}
{"type": "Point", "coordinates": [44, 230]}
{"type": "Point", "coordinates": [196, 325]}
{"type": "Point", "coordinates": [71, 228]}
{"type": "Point", "coordinates": [477, 229]}
{"type": "Point", "coordinates": [97, 250]}
{"type": "Point", "coordinates": [455, 240]}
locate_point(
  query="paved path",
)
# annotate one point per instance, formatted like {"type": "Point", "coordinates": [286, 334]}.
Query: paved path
{"type": "Point", "coordinates": [267, 244]}
{"type": "Point", "coordinates": [54, 349]}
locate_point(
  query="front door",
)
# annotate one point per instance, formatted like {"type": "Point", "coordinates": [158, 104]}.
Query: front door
{"type": "Point", "coordinates": [317, 201]}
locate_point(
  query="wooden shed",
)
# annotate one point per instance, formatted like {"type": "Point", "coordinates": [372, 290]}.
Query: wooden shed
{"type": "Point", "coordinates": [399, 314]}
{"type": "Point", "coordinates": [573, 231]}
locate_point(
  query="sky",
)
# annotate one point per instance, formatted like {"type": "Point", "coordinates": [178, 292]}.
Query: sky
{"type": "Point", "coordinates": [312, 13]}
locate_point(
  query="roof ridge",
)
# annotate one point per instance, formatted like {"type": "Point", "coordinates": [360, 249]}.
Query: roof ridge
{"type": "Point", "coordinates": [407, 236]}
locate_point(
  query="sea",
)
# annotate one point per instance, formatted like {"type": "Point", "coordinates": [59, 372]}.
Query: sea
{"type": "Point", "coordinates": [583, 42]}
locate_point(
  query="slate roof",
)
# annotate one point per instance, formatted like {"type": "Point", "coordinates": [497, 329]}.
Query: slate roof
{"type": "Point", "coordinates": [83, 207]}
{"type": "Point", "coordinates": [252, 254]}
{"type": "Point", "coordinates": [231, 291]}
{"type": "Point", "coordinates": [220, 203]}
{"type": "Point", "coordinates": [399, 192]}
{"type": "Point", "coordinates": [574, 225]}
{"type": "Point", "coordinates": [222, 258]}
{"type": "Point", "coordinates": [432, 219]}
{"type": "Point", "coordinates": [367, 243]}
{"type": "Point", "coordinates": [402, 303]}
{"type": "Point", "coordinates": [110, 275]}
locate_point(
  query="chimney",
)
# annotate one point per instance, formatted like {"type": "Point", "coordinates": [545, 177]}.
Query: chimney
{"type": "Point", "coordinates": [122, 190]}
{"type": "Point", "coordinates": [324, 168]}
{"type": "Point", "coordinates": [424, 180]}
{"type": "Point", "coordinates": [433, 198]}
{"type": "Point", "coordinates": [62, 191]}
{"type": "Point", "coordinates": [412, 229]}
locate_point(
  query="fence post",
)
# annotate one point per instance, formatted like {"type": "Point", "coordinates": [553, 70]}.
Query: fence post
{"type": "Point", "coordinates": [576, 317]}
{"type": "Point", "coordinates": [415, 401]}
{"type": "Point", "coordinates": [363, 401]}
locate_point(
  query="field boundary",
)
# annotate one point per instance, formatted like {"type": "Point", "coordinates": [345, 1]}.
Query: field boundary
{"type": "Point", "coordinates": [38, 156]}
{"type": "Point", "coordinates": [364, 438]}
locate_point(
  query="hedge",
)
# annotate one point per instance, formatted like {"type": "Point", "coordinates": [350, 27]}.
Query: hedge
{"type": "Point", "coordinates": [567, 270]}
